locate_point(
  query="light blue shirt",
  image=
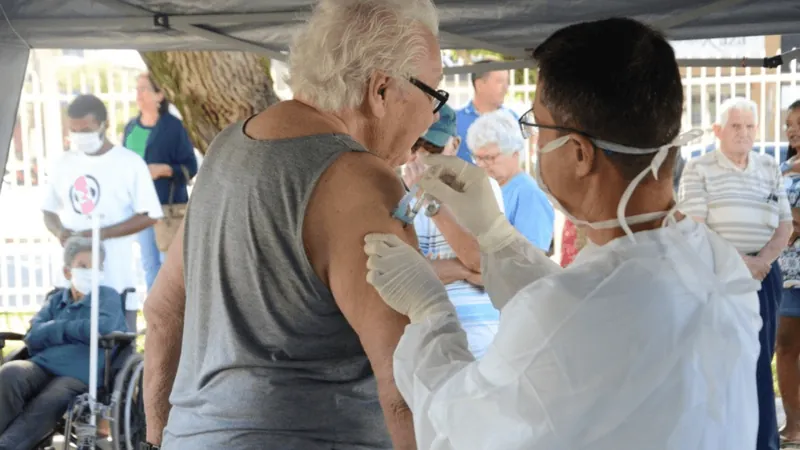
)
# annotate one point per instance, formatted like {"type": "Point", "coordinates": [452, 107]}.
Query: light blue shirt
{"type": "Point", "coordinates": [464, 119]}
{"type": "Point", "coordinates": [529, 210]}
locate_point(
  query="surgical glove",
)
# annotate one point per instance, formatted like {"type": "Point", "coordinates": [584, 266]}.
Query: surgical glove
{"type": "Point", "coordinates": [466, 190]}
{"type": "Point", "coordinates": [404, 278]}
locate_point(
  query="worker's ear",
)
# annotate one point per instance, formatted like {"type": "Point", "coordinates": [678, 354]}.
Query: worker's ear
{"type": "Point", "coordinates": [584, 154]}
{"type": "Point", "coordinates": [67, 273]}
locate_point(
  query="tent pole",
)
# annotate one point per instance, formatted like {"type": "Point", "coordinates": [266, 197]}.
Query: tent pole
{"type": "Point", "coordinates": [14, 60]}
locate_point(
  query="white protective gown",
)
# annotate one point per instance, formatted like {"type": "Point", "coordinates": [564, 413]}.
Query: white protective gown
{"type": "Point", "coordinates": [646, 345]}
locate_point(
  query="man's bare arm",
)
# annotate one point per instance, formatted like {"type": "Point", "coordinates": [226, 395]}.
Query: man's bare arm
{"type": "Point", "coordinates": [163, 312]}
{"type": "Point", "coordinates": [353, 198]}
{"type": "Point", "coordinates": [463, 243]}
{"type": "Point", "coordinates": [54, 226]}
{"type": "Point", "coordinates": [778, 242]}
{"type": "Point", "coordinates": [450, 270]}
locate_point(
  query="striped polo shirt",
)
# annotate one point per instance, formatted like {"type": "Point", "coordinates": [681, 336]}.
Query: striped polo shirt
{"type": "Point", "coordinates": [474, 308]}
{"type": "Point", "coordinates": [744, 206]}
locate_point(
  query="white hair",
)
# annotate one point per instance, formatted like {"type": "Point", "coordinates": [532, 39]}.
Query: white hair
{"type": "Point", "coordinates": [498, 127]}
{"type": "Point", "coordinates": [345, 42]}
{"type": "Point", "coordinates": [739, 104]}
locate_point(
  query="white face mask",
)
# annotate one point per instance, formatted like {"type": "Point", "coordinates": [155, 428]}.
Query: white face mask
{"type": "Point", "coordinates": [86, 142]}
{"type": "Point", "coordinates": [82, 280]}
{"type": "Point", "coordinates": [621, 221]}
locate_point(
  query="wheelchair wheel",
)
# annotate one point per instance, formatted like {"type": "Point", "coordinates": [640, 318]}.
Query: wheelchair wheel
{"type": "Point", "coordinates": [128, 422]}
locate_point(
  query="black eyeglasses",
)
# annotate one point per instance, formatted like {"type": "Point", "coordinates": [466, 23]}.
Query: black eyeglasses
{"type": "Point", "coordinates": [439, 96]}
{"type": "Point", "coordinates": [527, 124]}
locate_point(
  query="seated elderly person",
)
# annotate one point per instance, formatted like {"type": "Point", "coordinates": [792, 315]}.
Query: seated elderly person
{"type": "Point", "coordinates": [496, 141]}
{"type": "Point", "coordinates": [35, 393]}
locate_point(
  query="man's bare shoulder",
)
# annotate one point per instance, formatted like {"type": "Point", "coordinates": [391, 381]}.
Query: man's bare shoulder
{"type": "Point", "coordinates": [353, 198]}
{"type": "Point", "coordinates": [357, 177]}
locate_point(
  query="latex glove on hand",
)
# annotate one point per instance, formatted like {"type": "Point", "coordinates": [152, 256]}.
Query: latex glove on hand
{"type": "Point", "coordinates": [466, 190]}
{"type": "Point", "coordinates": [404, 278]}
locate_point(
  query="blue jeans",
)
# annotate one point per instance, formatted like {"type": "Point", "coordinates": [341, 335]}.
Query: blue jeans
{"type": "Point", "coordinates": [151, 256]}
{"type": "Point", "coordinates": [768, 298]}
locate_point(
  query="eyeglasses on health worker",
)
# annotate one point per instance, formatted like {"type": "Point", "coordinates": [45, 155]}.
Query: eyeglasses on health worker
{"type": "Point", "coordinates": [649, 340]}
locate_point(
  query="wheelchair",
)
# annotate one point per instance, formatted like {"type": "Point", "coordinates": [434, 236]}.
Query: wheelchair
{"type": "Point", "coordinates": [122, 405]}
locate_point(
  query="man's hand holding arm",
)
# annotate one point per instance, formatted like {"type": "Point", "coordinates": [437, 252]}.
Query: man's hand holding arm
{"type": "Point", "coordinates": [361, 186]}
{"type": "Point", "coordinates": [163, 312]}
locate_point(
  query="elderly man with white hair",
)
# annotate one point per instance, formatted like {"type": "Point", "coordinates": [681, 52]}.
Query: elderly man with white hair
{"type": "Point", "coordinates": [495, 141]}
{"type": "Point", "coordinates": [740, 194]}
{"type": "Point", "coordinates": [284, 344]}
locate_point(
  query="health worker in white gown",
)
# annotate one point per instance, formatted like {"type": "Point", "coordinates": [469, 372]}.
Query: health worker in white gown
{"type": "Point", "coordinates": [648, 340]}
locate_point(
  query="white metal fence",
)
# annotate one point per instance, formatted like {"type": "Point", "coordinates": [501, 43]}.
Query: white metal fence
{"type": "Point", "coordinates": [30, 257]}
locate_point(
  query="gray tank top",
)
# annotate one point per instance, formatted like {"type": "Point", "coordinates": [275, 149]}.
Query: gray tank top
{"type": "Point", "coordinates": [266, 351]}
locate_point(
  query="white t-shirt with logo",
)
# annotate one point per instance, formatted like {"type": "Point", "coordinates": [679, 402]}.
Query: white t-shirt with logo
{"type": "Point", "coordinates": [119, 184]}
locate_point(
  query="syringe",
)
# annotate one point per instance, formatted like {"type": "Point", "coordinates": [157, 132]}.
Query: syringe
{"type": "Point", "coordinates": [405, 211]}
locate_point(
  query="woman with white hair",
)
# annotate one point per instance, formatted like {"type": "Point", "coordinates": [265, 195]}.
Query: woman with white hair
{"type": "Point", "coordinates": [284, 343]}
{"type": "Point", "coordinates": [496, 142]}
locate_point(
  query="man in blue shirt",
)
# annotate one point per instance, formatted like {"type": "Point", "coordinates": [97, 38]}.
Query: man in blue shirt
{"type": "Point", "coordinates": [35, 393]}
{"type": "Point", "coordinates": [490, 93]}
{"type": "Point", "coordinates": [496, 142]}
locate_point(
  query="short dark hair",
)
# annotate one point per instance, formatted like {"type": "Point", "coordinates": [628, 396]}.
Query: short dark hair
{"type": "Point", "coordinates": [86, 104]}
{"type": "Point", "coordinates": [795, 105]}
{"type": "Point", "coordinates": [475, 76]}
{"type": "Point", "coordinates": [617, 80]}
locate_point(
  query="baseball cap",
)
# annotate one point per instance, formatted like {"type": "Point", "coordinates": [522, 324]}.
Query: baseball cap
{"type": "Point", "coordinates": [440, 132]}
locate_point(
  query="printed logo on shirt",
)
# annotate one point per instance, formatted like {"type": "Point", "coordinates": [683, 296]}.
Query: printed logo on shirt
{"type": "Point", "coordinates": [84, 194]}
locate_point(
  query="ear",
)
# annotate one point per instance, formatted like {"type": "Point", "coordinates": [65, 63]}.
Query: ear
{"type": "Point", "coordinates": [584, 154]}
{"type": "Point", "coordinates": [717, 129]}
{"type": "Point", "coordinates": [377, 93]}
{"type": "Point", "coordinates": [67, 273]}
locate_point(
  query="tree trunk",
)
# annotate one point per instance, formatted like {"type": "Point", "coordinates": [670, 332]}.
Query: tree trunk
{"type": "Point", "coordinates": [212, 89]}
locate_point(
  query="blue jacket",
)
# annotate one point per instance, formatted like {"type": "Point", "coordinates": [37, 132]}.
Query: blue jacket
{"type": "Point", "coordinates": [169, 143]}
{"type": "Point", "coordinates": [58, 340]}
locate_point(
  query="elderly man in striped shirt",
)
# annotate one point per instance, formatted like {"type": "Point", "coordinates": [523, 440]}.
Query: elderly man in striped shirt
{"type": "Point", "coordinates": [740, 195]}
